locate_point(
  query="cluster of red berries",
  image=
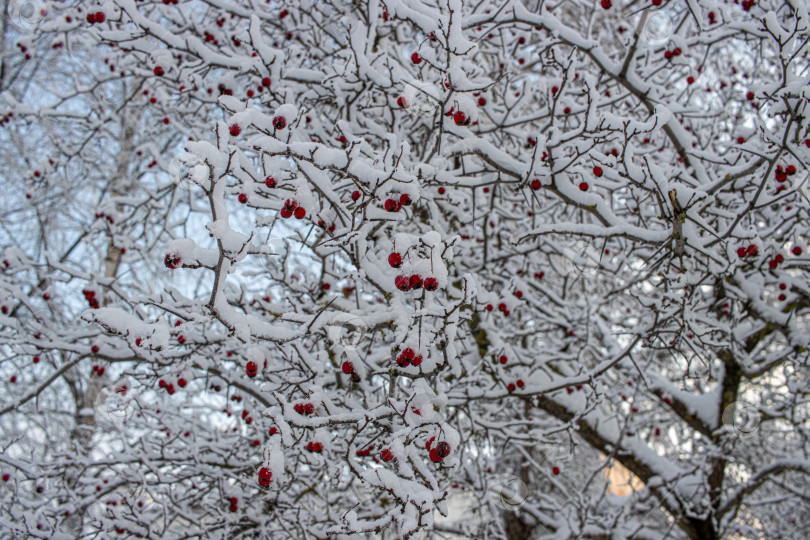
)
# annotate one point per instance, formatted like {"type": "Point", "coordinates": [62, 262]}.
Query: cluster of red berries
{"type": "Point", "coordinates": [265, 477]}
{"type": "Point", "coordinates": [365, 452]}
{"type": "Point", "coordinates": [782, 176]}
{"type": "Point", "coordinates": [247, 418]}
{"type": "Point", "coordinates": [90, 296]}
{"type": "Point", "coordinates": [279, 122]}
{"type": "Point", "coordinates": [97, 17]}
{"type": "Point", "coordinates": [304, 408]}
{"type": "Point", "coordinates": [511, 386]}
{"type": "Point", "coordinates": [98, 370]}
{"type": "Point", "coordinates": [394, 205]}
{"type": "Point", "coordinates": [408, 357]}
{"type": "Point", "coordinates": [172, 261]}
{"type": "Point", "coordinates": [712, 18]}
{"type": "Point", "coordinates": [776, 261]}
{"type": "Point", "coordinates": [405, 283]}
{"type": "Point", "coordinates": [291, 208]}
{"type": "Point", "coordinates": [673, 53]}
{"type": "Point", "coordinates": [168, 386]}
{"type": "Point", "coordinates": [314, 447]}
{"type": "Point", "coordinates": [570, 389]}
{"type": "Point", "coordinates": [749, 251]}
{"type": "Point", "coordinates": [501, 308]}
{"type": "Point", "coordinates": [439, 452]}
{"type": "Point", "coordinates": [251, 368]}
{"type": "Point", "coordinates": [101, 215]}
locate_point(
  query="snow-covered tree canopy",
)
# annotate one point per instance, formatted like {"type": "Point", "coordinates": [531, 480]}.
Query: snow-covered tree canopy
{"type": "Point", "coordinates": [405, 269]}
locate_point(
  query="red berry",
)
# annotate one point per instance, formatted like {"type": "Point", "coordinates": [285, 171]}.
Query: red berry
{"type": "Point", "coordinates": [94, 349]}
{"type": "Point", "coordinates": [235, 130]}
{"type": "Point", "coordinates": [796, 250]}
{"type": "Point", "coordinates": [6, 477]}
{"type": "Point", "coordinates": [482, 101]}
{"type": "Point", "coordinates": [402, 283]}
{"type": "Point", "coordinates": [490, 307]}
{"type": "Point", "coordinates": [386, 455]}
{"type": "Point", "coordinates": [441, 189]}
{"type": "Point", "coordinates": [391, 205]}
{"type": "Point", "coordinates": [741, 252]}
{"type": "Point", "coordinates": [251, 369]}
{"type": "Point", "coordinates": [404, 199]}
{"type": "Point", "coordinates": [243, 198]}
{"type": "Point", "coordinates": [536, 184]}
{"type": "Point", "coordinates": [606, 4]}
{"type": "Point", "coordinates": [434, 456]}
{"type": "Point", "coordinates": [265, 477]}
{"type": "Point", "coordinates": [273, 430]}
{"type": "Point", "coordinates": [279, 122]}
{"type": "Point", "coordinates": [520, 383]}
{"type": "Point", "coordinates": [555, 470]}
{"type": "Point", "coordinates": [416, 281]}
{"type": "Point", "coordinates": [408, 354]}
{"type": "Point", "coordinates": [443, 449]}
{"type": "Point", "coordinates": [395, 260]}
{"type": "Point", "coordinates": [283, 13]}
{"type": "Point", "coordinates": [431, 284]}
{"type": "Point", "coordinates": [300, 213]}
{"type": "Point", "coordinates": [415, 58]}
{"type": "Point", "coordinates": [270, 182]}
{"type": "Point", "coordinates": [597, 170]}
{"type": "Point", "coordinates": [158, 71]}
{"type": "Point", "coordinates": [356, 195]}
{"type": "Point", "coordinates": [100, 17]}
{"type": "Point", "coordinates": [401, 102]}
{"type": "Point", "coordinates": [583, 186]}
{"type": "Point", "coordinates": [417, 361]}
{"type": "Point", "coordinates": [36, 359]}
{"type": "Point", "coordinates": [752, 250]}
{"type": "Point", "coordinates": [690, 80]}
{"type": "Point", "coordinates": [347, 368]}
{"type": "Point", "coordinates": [181, 382]}
{"type": "Point", "coordinates": [510, 387]}
{"type": "Point", "coordinates": [503, 359]}
{"type": "Point", "coordinates": [460, 118]}
{"type": "Point", "coordinates": [266, 81]}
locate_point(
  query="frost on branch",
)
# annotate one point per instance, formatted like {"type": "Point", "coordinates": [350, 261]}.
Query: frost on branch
{"type": "Point", "coordinates": [478, 269]}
